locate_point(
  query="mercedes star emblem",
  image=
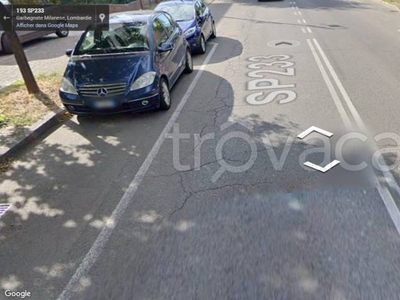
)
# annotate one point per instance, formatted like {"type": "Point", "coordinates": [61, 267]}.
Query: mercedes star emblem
{"type": "Point", "coordinates": [102, 92]}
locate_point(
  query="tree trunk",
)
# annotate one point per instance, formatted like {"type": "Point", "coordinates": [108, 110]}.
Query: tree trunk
{"type": "Point", "coordinates": [13, 41]}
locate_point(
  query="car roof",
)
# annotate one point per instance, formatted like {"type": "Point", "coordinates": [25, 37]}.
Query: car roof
{"type": "Point", "coordinates": [174, 2]}
{"type": "Point", "coordinates": [139, 15]}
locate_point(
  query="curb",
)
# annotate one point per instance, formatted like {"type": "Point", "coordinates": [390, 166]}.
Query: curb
{"type": "Point", "coordinates": [34, 132]}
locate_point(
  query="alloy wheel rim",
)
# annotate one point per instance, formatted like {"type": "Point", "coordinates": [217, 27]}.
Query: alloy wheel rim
{"type": "Point", "coordinates": [166, 93]}
{"type": "Point", "coordinates": [189, 60]}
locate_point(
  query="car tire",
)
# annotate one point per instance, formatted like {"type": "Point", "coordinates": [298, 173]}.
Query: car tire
{"type": "Point", "coordinates": [202, 47]}
{"type": "Point", "coordinates": [5, 45]}
{"type": "Point", "coordinates": [214, 31]}
{"type": "Point", "coordinates": [164, 95]}
{"type": "Point", "coordinates": [62, 33]}
{"type": "Point", "coordinates": [188, 61]}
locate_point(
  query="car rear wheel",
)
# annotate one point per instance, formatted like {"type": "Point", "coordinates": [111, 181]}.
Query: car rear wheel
{"type": "Point", "coordinates": [62, 33]}
{"type": "Point", "coordinates": [5, 45]}
{"type": "Point", "coordinates": [164, 96]}
{"type": "Point", "coordinates": [202, 47]}
{"type": "Point", "coordinates": [189, 62]}
{"type": "Point", "coordinates": [214, 31]}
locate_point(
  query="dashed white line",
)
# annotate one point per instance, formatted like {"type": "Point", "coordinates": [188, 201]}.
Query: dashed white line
{"type": "Point", "coordinates": [300, 13]}
{"type": "Point", "coordinates": [309, 30]}
{"type": "Point", "coordinates": [299, 21]}
{"type": "Point", "coordinates": [303, 30]}
{"type": "Point", "coordinates": [304, 21]}
{"type": "Point", "coordinates": [295, 13]}
{"type": "Point", "coordinates": [105, 234]}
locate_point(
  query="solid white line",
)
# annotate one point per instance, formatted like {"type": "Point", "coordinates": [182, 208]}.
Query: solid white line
{"type": "Point", "coordinates": [309, 30]}
{"type": "Point", "coordinates": [331, 89]}
{"type": "Point", "coordinates": [126, 199]}
{"type": "Point", "coordinates": [303, 30]}
{"type": "Point", "coordinates": [304, 21]}
{"type": "Point", "coordinates": [390, 205]}
{"type": "Point", "coordinates": [385, 194]}
{"type": "Point", "coordinates": [360, 123]}
{"type": "Point", "coordinates": [346, 97]}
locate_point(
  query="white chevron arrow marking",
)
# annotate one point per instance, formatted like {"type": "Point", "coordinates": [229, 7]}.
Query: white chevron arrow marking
{"type": "Point", "coordinates": [322, 169]}
{"type": "Point", "coordinates": [316, 129]}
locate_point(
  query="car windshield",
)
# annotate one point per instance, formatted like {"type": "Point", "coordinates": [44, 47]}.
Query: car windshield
{"type": "Point", "coordinates": [120, 37]}
{"type": "Point", "coordinates": [180, 12]}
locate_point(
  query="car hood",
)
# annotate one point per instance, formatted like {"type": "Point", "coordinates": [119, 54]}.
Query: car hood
{"type": "Point", "coordinates": [185, 25]}
{"type": "Point", "coordinates": [107, 69]}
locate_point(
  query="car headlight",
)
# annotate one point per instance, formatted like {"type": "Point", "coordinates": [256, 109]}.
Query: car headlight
{"type": "Point", "coordinates": [190, 31]}
{"type": "Point", "coordinates": [145, 80]}
{"type": "Point", "coordinates": [67, 87]}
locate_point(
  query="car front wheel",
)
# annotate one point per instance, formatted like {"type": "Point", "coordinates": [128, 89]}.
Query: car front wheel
{"type": "Point", "coordinates": [188, 62]}
{"type": "Point", "coordinates": [202, 47]}
{"type": "Point", "coordinates": [62, 33]}
{"type": "Point", "coordinates": [164, 96]}
{"type": "Point", "coordinates": [214, 31]}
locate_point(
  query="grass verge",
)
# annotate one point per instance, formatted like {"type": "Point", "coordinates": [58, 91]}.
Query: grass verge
{"type": "Point", "coordinates": [19, 109]}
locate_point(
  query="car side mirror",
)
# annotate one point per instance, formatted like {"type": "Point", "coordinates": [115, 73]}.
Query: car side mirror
{"type": "Point", "coordinates": [69, 52]}
{"type": "Point", "coordinates": [165, 47]}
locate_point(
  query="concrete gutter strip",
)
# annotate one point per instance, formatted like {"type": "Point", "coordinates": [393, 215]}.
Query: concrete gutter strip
{"type": "Point", "coordinates": [33, 133]}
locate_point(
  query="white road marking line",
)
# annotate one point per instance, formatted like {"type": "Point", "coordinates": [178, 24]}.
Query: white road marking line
{"type": "Point", "coordinates": [387, 174]}
{"type": "Point", "coordinates": [295, 13]}
{"type": "Point", "coordinates": [299, 21]}
{"type": "Point", "coordinates": [292, 7]}
{"type": "Point", "coordinates": [304, 21]}
{"type": "Point", "coordinates": [386, 196]}
{"type": "Point", "coordinates": [331, 89]}
{"type": "Point", "coordinates": [303, 30]}
{"type": "Point", "coordinates": [309, 30]}
{"type": "Point", "coordinates": [102, 239]}
{"type": "Point", "coordinates": [297, 7]}
{"type": "Point", "coordinates": [300, 13]}
{"type": "Point", "coordinates": [390, 205]}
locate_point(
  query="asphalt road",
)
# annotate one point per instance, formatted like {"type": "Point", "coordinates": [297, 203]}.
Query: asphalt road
{"type": "Point", "coordinates": [113, 208]}
{"type": "Point", "coordinates": [45, 56]}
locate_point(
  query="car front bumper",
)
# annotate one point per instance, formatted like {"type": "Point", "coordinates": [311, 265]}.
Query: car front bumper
{"type": "Point", "coordinates": [194, 41]}
{"type": "Point", "coordinates": [132, 102]}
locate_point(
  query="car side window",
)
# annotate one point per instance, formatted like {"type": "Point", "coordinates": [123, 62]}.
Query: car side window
{"type": "Point", "coordinates": [173, 23]}
{"type": "Point", "coordinates": [168, 26]}
{"type": "Point", "coordinates": [160, 33]}
{"type": "Point", "coordinates": [203, 6]}
{"type": "Point", "coordinates": [199, 9]}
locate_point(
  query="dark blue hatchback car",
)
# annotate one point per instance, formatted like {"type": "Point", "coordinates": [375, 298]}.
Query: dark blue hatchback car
{"type": "Point", "coordinates": [195, 19]}
{"type": "Point", "coordinates": [130, 66]}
